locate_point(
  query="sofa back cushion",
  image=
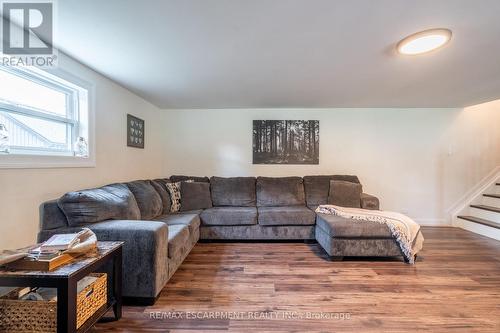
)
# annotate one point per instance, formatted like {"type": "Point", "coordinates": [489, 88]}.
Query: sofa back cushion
{"type": "Point", "coordinates": [51, 216]}
{"type": "Point", "coordinates": [195, 195]}
{"type": "Point", "coordinates": [181, 178]}
{"type": "Point", "coordinates": [345, 194]}
{"type": "Point", "coordinates": [161, 187]}
{"type": "Point", "coordinates": [233, 191]}
{"type": "Point", "coordinates": [148, 199]}
{"type": "Point", "coordinates": [283, 191]}
{"type": "Point", "coordinates": [317, 187]}
{"type": "Point", "coordinates": [111, 202]}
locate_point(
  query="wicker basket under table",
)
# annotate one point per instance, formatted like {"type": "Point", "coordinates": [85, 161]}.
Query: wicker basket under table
{"type": "Point", "coordinates": [22, 316]}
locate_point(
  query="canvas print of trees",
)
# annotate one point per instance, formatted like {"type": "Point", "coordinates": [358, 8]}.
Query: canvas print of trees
{"type": "Point", "coordinates": [285, 141]}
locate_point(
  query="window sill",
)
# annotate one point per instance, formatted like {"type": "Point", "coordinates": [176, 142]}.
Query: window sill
{"type": "Point", "coordinates": [42, 162]}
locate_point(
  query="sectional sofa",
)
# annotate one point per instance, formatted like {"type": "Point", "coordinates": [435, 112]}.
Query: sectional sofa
{"type": "Point", "coordinates": [157, 240]}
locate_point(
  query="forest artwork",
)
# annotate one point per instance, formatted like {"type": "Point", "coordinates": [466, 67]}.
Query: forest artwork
{"type": "Point", "coordinates": [286, 142]}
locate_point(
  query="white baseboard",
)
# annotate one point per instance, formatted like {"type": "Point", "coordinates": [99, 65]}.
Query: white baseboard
{"type": "Point", "coordinates": [431, 222]}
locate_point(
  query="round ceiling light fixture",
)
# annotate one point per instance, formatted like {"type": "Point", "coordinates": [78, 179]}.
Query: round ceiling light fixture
{"type": "Point", "coordinates": [424, 41]}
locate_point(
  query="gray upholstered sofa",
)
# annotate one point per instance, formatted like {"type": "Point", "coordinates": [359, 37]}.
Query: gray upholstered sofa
{"type": "Point", "coordinates": [238, 208]}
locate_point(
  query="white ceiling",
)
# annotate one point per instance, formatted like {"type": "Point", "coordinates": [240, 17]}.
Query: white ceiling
{"type": "Point", "coordinates": [287, 53]}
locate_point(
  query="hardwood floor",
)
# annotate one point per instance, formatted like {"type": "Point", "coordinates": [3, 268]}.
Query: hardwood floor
{"type": "Point", "coordinates": [274, 287]}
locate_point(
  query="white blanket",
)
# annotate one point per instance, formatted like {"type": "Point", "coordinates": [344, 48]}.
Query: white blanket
{"type": "Point", "coordinates": [403, 229]}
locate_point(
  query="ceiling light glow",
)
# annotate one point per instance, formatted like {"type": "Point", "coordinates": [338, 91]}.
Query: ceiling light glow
{"type": "Point", "coordinates": [424, 41]}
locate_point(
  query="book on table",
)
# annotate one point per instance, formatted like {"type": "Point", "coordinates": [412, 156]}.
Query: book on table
{"type": "Point", "coordinates": [49, 255]}
{"type": "Point", "coordinates": [36, 264]}
{"type": "Point", "coordinates": [59, 242]}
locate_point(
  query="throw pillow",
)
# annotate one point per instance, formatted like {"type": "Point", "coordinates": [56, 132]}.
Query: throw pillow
{"type": "Point", "coordinates": [195, 195]}
{"type": "Point", "coordinates": [345, 194]}
{"type": "Point", "coordinates": [174, 189]}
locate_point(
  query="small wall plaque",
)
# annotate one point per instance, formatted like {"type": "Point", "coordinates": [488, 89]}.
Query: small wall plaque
{"type": "Point", "coordinates": [135, 132]}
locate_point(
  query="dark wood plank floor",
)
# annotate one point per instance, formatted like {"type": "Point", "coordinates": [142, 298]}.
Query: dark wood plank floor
{"type": "Point", "coordinates": [277, 287]}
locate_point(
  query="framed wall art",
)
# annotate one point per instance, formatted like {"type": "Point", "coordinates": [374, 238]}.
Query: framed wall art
{"type": "Point", "coordinates": [135, 132]}
{"type": "Point", "coordinates": [286, 142]}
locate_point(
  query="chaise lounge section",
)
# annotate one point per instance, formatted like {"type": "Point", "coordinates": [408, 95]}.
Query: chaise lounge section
{"type": "Point", "coordinates": [341, 237]}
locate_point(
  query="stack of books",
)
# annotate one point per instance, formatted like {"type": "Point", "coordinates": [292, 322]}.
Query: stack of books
{"type": "Point", "coordinates": [49, 254]}
{"type": "Point", "coordinates": [54, 246]}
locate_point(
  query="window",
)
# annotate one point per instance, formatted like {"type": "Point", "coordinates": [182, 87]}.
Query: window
{"type": "Point", "coordinates": [42, 115]}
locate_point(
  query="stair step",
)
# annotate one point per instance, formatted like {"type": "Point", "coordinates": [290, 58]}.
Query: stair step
{"type": "Point", "coordinates": [483, 211]}
{"type": "Point", "coordinates": [487, 201]}
{"type": "Point", "coordinates": [480, 221]}
{"type": "Point", "coordinates": [492, 195]}
{"type": "Point", "coordinates": [489, 208]}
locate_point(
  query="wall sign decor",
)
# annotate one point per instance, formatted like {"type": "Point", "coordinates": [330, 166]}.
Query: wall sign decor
{"type": "Point", "coordinates": [286, 142]}
{"type": "Point", "coordinates": [135, 132]}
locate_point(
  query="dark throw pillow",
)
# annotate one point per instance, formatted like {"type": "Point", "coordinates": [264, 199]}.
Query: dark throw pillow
{"type": "Point", "coordinates": [195, 195]}
{"type": "Point", "coordinates": [317, 187]}
{"type": "Point", "coordinates": [345, 194]}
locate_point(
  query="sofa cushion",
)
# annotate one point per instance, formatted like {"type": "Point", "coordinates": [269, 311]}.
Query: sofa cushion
{"type": "Point", "coordinates": [161, 187]}
{"type": "Point", "coordinates": [318, 187]}
{"type": "Point", "coordinates": [229, 216]}
{"type": "Point", "coordinates": [181, 178]}
{"type": "Point", "coordinates": [340, 227]}
{"type": "Point", "coordinates": [283, 191]}
{"type": "Point", "coordinates": [345, 194]}
{"type": "Point", "coordinates": [148, 199]}
{"type": "Point", "coordinates": [287, 215]}
{"type": "Point", "coordinates": [178, 238]}
{"type": "Point", "coordinates": [195, 195]}
{"type": "Point", "coordinates": [347, 178]}
{"type": "Point", "coordinates": [233, 191]}
{"type": "Point", "coordinates": [190, 220]}
{"type": "Point", "coordinates": [111, 202]}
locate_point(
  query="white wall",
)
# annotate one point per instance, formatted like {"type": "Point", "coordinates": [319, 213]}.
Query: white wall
{"type": "Point", "coordinates": [401, 155]}
{"type": "Point", "coordinates": [22, 190]}
{"type": "Point", "coordinates": [418, 161]}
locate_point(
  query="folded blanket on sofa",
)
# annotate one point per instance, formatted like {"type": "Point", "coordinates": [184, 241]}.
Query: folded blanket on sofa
{"type": "Point", "coordinates": [406, 231]}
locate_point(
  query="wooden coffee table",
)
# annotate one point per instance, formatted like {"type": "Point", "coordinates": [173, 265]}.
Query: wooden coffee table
{"type": "Point", "coordinates": [65, 279]}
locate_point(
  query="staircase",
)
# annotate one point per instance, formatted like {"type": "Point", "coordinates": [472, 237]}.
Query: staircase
{"type": "Point", "coordinates": [482, 216]}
